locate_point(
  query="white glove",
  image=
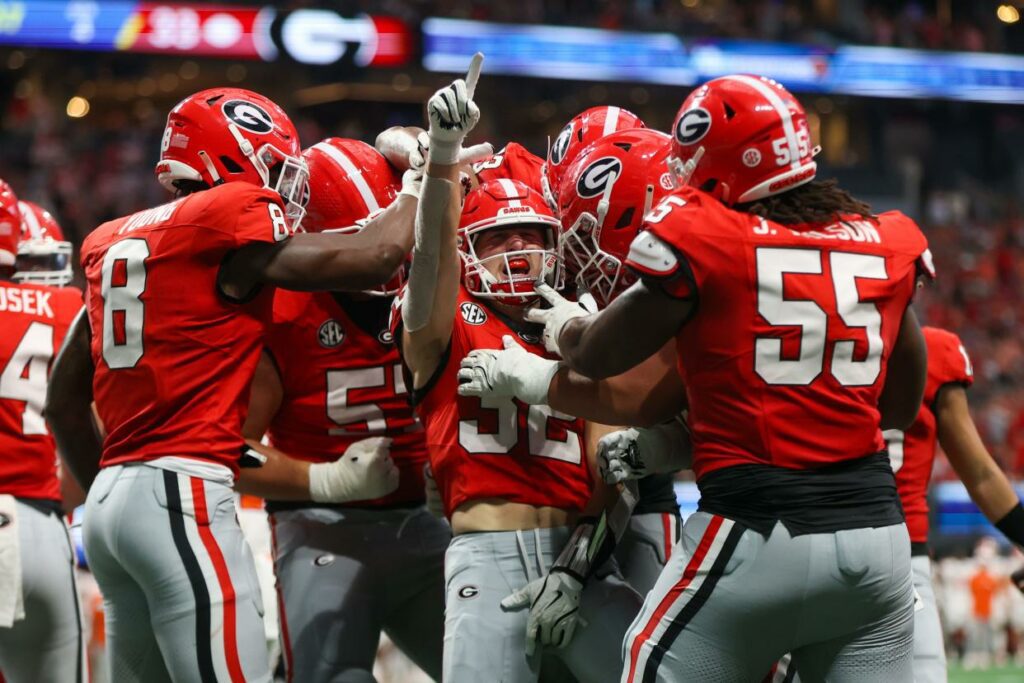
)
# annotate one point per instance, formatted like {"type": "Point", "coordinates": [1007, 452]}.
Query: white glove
{"type": "Point", "coordinates": [452, 115]}
{"type": "Point", "coordinates": [467, 155]}
{"type": "Point", "coordinates": [512, 372]}
{"type": "Point", "coordinates": [635, 453]}
{"type": "Point", "coordinates": [554, 319]}
{"type": "Point", "coordinates": [364, 472]}
{"type": "Point", "coordinates": [554, 603]}
{"type": "Point", "coordinates": [434, 504]}
{"type": "Point", "coordinates": [412, 181]}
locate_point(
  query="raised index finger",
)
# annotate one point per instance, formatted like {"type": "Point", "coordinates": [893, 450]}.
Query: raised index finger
{"type": "Point", "coordinates": [473, 75]}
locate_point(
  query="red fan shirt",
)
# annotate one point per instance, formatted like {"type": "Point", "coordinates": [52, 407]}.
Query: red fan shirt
{"type": "Point", "coordinates": [35, 319]}
{"type": "Point", "coordinates": [913, 452]}
{"type": "Point", "coordinates": [497, 448]}
{"type": "Point", "coordinates": [343, 381]}
{"type": "Point", "coordinates": [174, 357]}
{"type": "Point", "coordinates": [785, 356]}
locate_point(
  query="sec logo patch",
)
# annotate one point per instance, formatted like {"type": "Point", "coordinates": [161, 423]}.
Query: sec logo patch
{"type": "Point", "coordinates": [330, 334]}
{"type": "Point", "coordinates": [472, 313]}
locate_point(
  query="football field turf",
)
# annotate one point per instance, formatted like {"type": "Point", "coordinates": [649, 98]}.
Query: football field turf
{"type": "Point", "coordinates": [1007, 674]}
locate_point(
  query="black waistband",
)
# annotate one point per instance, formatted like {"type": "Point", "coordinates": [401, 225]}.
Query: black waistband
{"type": "Point", "coordinates": [289, 505]}
{"type": "Point", "coordinates": [44, 505]}
{"type": "Point", "coordinates": [657, 494]}
{"type": "Point", "coordinates": [854, 494]}
{"type": "Point", "coordinates": [918, 548]}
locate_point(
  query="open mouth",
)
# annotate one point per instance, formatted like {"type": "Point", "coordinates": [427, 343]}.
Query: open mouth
{"type": "Point", "coordinates": [517, 267]}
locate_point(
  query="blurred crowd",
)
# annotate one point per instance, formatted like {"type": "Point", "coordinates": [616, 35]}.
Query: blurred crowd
{"type": "Point", "coordinates": [982, 613]}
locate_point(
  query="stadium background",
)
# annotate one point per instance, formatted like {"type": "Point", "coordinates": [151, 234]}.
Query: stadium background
{"type": "Point", "coordinates": [923, 122]}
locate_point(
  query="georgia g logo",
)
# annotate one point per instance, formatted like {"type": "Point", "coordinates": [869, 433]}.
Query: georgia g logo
{"type": "Point", "coordinates": [693, 125]}
{"type": "Point", "coordinates": [598, 177]}
{"type": "Point", "coordinates": [560, 146]}
{"type": "Point", "coordinates": [247, 115]}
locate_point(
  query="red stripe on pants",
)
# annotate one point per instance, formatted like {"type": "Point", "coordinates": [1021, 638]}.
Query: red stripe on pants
{"type": "Point", "coordinates": [227, 590]}
{"type": "Point", "coordinates": [286, 643]}
{"type": "Point", "coordinates": [673, 593]}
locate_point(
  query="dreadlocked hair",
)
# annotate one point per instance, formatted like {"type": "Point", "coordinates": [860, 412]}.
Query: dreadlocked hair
{"type": "Point", "coordinates": [819, 201]}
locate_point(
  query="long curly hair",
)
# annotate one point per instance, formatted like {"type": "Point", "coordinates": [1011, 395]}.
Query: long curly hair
{"type": "Point", "coordinates": [819, 201]}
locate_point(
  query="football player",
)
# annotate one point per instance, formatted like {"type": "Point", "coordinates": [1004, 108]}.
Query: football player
{"type": "Point", "coordinates": [330, 376]}
{"type": "Point", "coordinates": [40, 621]}
{"type": "Point", "coordinates": [178, 301]}
{"type": "Point", "coordinates": [789, 304]}
{"type": "Point", "coordinates": [513, 479]}
{"type": "Point", "coordinates": [583, 130]}
{"type": "Point", "coordinates": [603, 196]}
{"type": "Point", "coordinates": [945, 418]}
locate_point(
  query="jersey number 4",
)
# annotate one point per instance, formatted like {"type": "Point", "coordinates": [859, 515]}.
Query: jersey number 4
{"type": "Point", "coordinates": [124, 315]}
{"type": "Point", "coordinates": [773, 264]}
{"type": "Point", "coordinates": [24, 377]}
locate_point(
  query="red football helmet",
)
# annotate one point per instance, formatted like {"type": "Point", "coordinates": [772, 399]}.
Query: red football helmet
{"type": "Point", "coordinates": [497, 204]}
{"type": "Point", "coordinates": [350, 183]}
{"type": "Point", "coordinates": [603, 199]}
{"type": "Point", "coordinates": [230, 134]}
{"type": "Point", "coordinates": [742, 138]}
{"type": "Point", "coordinates": [583, 130]}
{"type": "Point", "coordinates": [10, 225]}
{"type": "Point", "coordinates": [44, 256]}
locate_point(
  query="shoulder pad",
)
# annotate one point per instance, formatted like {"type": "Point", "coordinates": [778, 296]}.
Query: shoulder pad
{"type": "Point", "coordinates": [651, 256]}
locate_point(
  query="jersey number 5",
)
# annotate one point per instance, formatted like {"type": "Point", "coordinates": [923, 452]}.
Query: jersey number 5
{"type": "Point", "coordinates": [124, 315]}
{"type": "Point", "coordinates": [773, 264]}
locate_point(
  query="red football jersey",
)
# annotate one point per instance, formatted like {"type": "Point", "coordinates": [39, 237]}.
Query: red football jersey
{"type": "Point", "coordinates": [36, 319]}
{"type": "Point", "coordinates": [514, 162]}
{"type": "Point", "coordinates": [497, 448]}
{"type": "Point", "coordinates": [174, 357]}
{"type": "Point", "coordinates": [912, 453]}
{"type": "Point", "coordinates": [343, 382]}
{"type": "Point", "coordinates": [785, 356]}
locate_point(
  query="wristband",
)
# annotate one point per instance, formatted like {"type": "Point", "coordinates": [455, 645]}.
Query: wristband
{"type": "Point", "coordinates": [444, 152]}
{"type": "Point", "coordinates": [1012, 525]}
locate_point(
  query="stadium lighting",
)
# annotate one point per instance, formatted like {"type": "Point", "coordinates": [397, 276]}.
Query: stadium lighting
{"type": "Point", "coordinates": [77, 107]}
{"type": "Point", "coordinates": [1008, 14]}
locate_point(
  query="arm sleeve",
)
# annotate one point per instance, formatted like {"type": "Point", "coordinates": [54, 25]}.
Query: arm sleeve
{"type": "Point", "coordinates": [956, 363]}
{"type": "Point", "coordinates": [261, 218]}
{"type": "Point", "coordinates": [656, 261]}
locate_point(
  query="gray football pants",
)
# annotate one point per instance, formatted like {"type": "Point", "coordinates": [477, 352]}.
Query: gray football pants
{"type": "Point", "coordinates": [180, 593]}
{"type": "Point", "coordinates": [929, 648]}
{"type": "Point", "coordinates": [343, 575]}
{"type": "Point", "coordinates": [483, 642]}
{"type": "Point", "coordinates": [47, 644]}
{"type": "Point", "coordinates": [646, 547]}
{"type": "Point", "coordinates": [732, 602]}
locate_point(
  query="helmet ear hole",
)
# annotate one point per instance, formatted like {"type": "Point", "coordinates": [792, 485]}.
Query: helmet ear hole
{"type": "Point", "coordinates": [625, 219]}
{"type": "Point", "coordinates": [729, 111]}
{"type": "Point", "coordinates": [709, 185]}
{"type": "Point", "coordinates": [230, 165]}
